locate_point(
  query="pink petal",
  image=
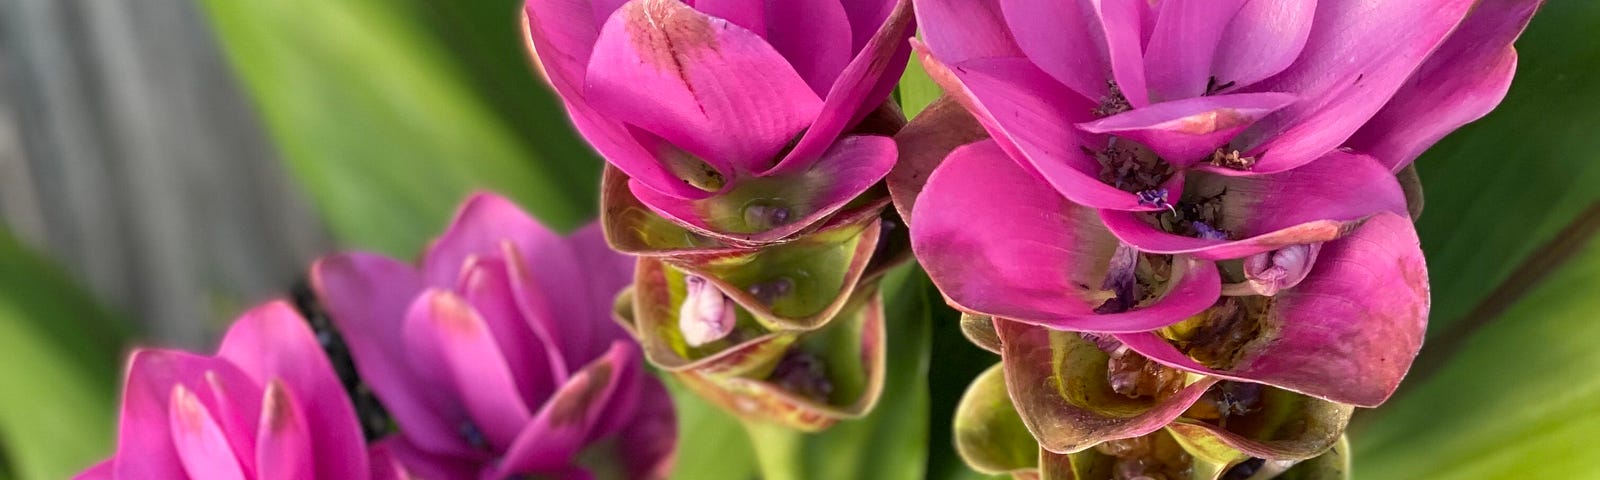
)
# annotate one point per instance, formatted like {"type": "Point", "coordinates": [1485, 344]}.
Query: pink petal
{"type": "Point", "coordinates": [818, 47]}
{"type": "Point", "coordinates": [750, 15]}
{"type": "Point", "coordinates": [1315, 203]}
{"type": "Point", "coordinates": [271, 343]}
{"type": "Point", "coordinates": [561, 36]}
{"type": "Point", "coordinates": [419, 464]}
{"type": "Point", "coordinates": [448, 336]}
{"type": "Point", "coordinates": [804, 198]}
{"type": "Point", "coordinates": [1179, 57]}
{"type": "Point", "coordinates": [144, 440]}
{"type": "Point", "coordinates": [1359, 53]}
{"type": "Point", "coordinates": [709, 87]}
{"type": "Point", "coordinates": [566, 291]}
{"type": "Point", "coordinates": [564, 423]}
{"type": "Point", "coordinates": [632, 229]}
{"type": "Point", "coordinates": [284, 443]}
{"type": "Point", "coordinates": [385, 466]}
{"type": "Point", "coordinates": [368, 296]}
{"type": "Point", "coordinates": [860, 88]}
{"type": "Point", "coordinates": [1000, 242]}
{"type": "Point", "coordinates": [1059, 384]}
{"type": "Point", "coordinates": [105, 470]}
{"type": "Point", "coordinates": [866, 18]}
{"type": "Point", "coordinates": [482, 223]}
{"type": "Point", "coordinates": [1465, 79]}
{"type": "Point", "coordinates": [961, 30]}
{"type": "Point", "coordinates": [1264, 38]}
{"type": "Point", "coordinates": [486, 285]}
{"type": "Point", "coordinates": [1185, 132]}
{"type": "Point", "coordinates": [1031, 116]}
{"type": "Point", "coordinates": [201, 446]}
{"type": "Point", "coordinates": [649, 438]}
{"type": "Point", "coordinates": [1083, 43]}
{"type": "Point", "coordinates": [1348, 333]}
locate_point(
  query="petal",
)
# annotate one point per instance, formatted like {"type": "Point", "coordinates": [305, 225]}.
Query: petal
{"type": "Point", "coordinates": [1348, 333]}
{"type": "Point", "coordinates": [649, 438]}
{"type": "Point", "coordinates": [1000, 242]}
{"type": "Point", "coordinates": [482, 223]}
{"type": "Point", "coordinates": [564, 423]}
{"type": "Point", "coordinates": [420, 464]}
{"type": "Point", "coordinates": [989, 435]}
{"type": "Point", "coordinates": [486, 285]}
{"type": "Point", "coordinates": [923, 145]}
{"type": "Point", "coordinates": [863, 85]}
{"type": "Point", "coordinates": [1264, 38]}
{"type": "Point", "coordinates": [632, 228]}
{"type": "Point", "coordinates": [385, 465]}
{"type": "Point", "coordinates": [1333, 465]}
{"type": "Point", "coordinates": [712, 88]}
{"type": "Point", "coordinates": [768, 209]}
{"type": "Point", "coordinates": [368, 296]}
{"type": "Point", "coordinates": [1315, 203]}
{"type": "Point", "coordinates": [818, 48]}
{"type": "Point", "coordinates": [1183, 45]}
{"type": "Point", "coordinates": [199, 441]}
{"type": "Point", "coordinates": [750, 15]}
{"type": "Point", "coordinates": [1461, 82]}
{"type": "Point", "coordinates": [1184, 132]}
{"type": "Point", "coordinates": [1284, 426]}
{"type": "Point", "coordinates": [105, 470]}
{"type": "Point", "coordinates": [144, 438]}
{"type": "Point", "coordinates": [979, 330]}
{"type": "Point", "coordinates": [961, 30]}
{"type": "Point", "coordinates": [1058, 382]}
{"type": "Point", "coordinates": [1359, 53]}
{"type": "Point", "coordinates": [1031, 117]}
{"type": "Point", "coordinates": [446, 334]}
{"type": "Point", "coordinates": [1107, 46]}
{"type": "Point", "coordinates": [284, 442]}
{"type": "Point", "coordinates": [561, 36]}
{"type": "Point", "coordinates": [273, 343]}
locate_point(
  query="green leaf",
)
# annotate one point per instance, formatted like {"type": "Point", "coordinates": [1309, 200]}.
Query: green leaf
{"type": "Point", "coordinates": [892, 441]}
{"type": "Point", "coordinates": [1499, 188]}
{"type": "Point", "coordinates": [916, 90]}
{"type": "Point", "coordinates": [391, 113]}
{"type": "Point", "coordinates": [1518, 401]}
{"type": "Point", "coordinates": [59, 374]}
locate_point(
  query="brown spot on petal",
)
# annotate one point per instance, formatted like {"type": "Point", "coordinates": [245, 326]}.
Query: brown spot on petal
{"type": "Point", "coordinates": [587, 386]}
{"type": "Point", "coordinates": [665, 32]}
{"type": "Point", "coordinates": [277, 413]}
{"type": "Point", "coordinates": [188, 409]}
{"type": "Point", "coordinates": [454, 314]}
{"type": "Point", "coordinates": [1211, 122]}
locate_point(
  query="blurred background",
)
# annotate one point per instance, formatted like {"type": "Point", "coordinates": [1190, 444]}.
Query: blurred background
{"type": "Point", "coordinates": [165, 164]}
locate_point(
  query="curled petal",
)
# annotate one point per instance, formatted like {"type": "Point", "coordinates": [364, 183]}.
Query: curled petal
{"type": "Point", "coordinates": [658, 292]}
{"type": "Point", "coordinates": [961, 30]}
{"type": "Point", "coordinates": [443, 328]}
{"type": "Point", "coordinates": [1315, 203]}
{"type": "Point", "coordinates": [979, 329]}
{"type": "Point", "coordinates": [1348, 333]}
{"type": "Point", "coordinates": [1060, 386]}
{"type": "Point", "coordinates": [706, 314]}
{"type": "Point", "coordinates": [1187, 131]}
{"type": "Point", "coordinates": [1183, 45]}
{"type": "Point", "coordinates": [989, 435]}
{"type": "Point", "coordinates": [568, 419]}
{"type": "Point", "coordinates": [632, 228]}
{"type": "Point", "coordinates": [1040, 259]}
{"type": "Point", "coordinates": [283, 443]}
{"type": "Point", "coordinates": [923, 146]}
{"type": "Point", "coordinates": [1284, 426]}
{"type": "Point", "coordinates": [1268, 273]}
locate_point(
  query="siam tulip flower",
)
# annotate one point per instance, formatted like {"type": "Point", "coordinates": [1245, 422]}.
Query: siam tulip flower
{"type": "Point", "coordinates": [267, 406]}
{"type": "Point", "coordinates": [741, 122]}
{"type": "Point", "coordinates": [1223, 129]}
{"type": "Point", "coordinates": [496, 356]}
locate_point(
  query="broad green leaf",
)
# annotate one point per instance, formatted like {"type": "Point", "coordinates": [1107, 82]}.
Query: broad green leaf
{"type": "Point", "coordinates": [917, 89]}
{"type": "Point", "coordinates": [892, 441]}
{"type": "Point", "coordinates": [1518, 400]}
{"type": "Point", "coordinates": [1499, 188]}
{"type": "Point", "coordinates": [390, 113]}
{"type": "Point", "coordinates": [59, 376]}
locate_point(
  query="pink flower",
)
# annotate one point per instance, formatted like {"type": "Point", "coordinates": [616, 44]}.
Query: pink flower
{"type": "Point", "coordinates": [497, 357]}
{"type": "Point", "coordinates": [748, 121]}
{"type": "Point", "coordinates": [266, 406]}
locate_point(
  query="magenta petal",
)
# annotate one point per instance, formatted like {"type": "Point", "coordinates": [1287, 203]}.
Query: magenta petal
{"type": "Point", "coordinates": [866, 18]}
{"type": "Point", "coordinates": [448, 336]}
{"type": "Point", "coordinates": [385, 466]}
{"type": "Point", "coordinates": [1315, 203]}
{"type": "Point", "coordinates": [1359, 53]}
{"type": "Point", "coordinates": [1184, 132]}
{"type": "Point", "coordinates": [961, 30]}
{"type": "Point", "coordinates": [1263, 39]}
{"type": "Point", "coordinates": [1000, 242]}
{"type": "Point", "coordinates": [202, 448]}
{"type": "Point", "coordinates": [1069, 39]}
{"type": "Point", "coordinates": [284, 440]}
{"type": "Point", "coordinates": [818, 48]}
{"type": "Point", "coordinates": [845, 171]}
{"type": "Point", "coordinates": [1348, 333]}
{"type": "Point", "coordinates": [419, 464]}
{"type": "Point", "coordinates": [370, 294]}
{"type": "Point", "coordinates": [1032, 116]}
{"type": "Point", "coordinates": [561, 34]}
{"type": "Point", "coordinates": [482, 223]}
{"type": "Point", "coordinates": [712, 88]}
{"type": "Point", "coordinates": [1460, 83]}
{"type": "Point", "coordinates": [1058, 384]}
{"type": "Point", "coordinates": [565, 421]}
{"type": "Point", "coordinates": [1179, 58]}
{"type": "Point", "coordinates": [863, 85]}
{"type": "Point", "coordinates": [272, 343]}
{"type": "Point", "coordinates": [105, 470]}
{"type": "Point", "coordinates": [750, 15]}
{"type": "Point", "coordinates": [648, 439]}
{"type": "Point", "coordinates": [486, 285]}
{"type": "Point", "coordinates": [144, 444]}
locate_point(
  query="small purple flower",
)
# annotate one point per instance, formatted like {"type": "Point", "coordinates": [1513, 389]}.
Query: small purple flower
{"type": "Point", "coordinates": [748, 121]}
{"type": "Point", "coordinates": [267, 406]}
{"type": "Point", "coordinates": [498, 357]}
